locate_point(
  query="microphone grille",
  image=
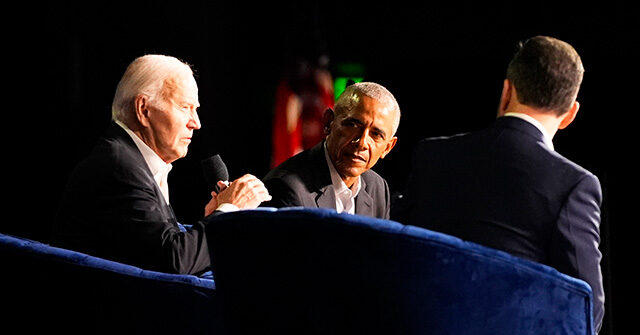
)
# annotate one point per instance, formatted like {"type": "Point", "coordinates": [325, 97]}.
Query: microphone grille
{"type": "Point", "coordinates": [214, 169]}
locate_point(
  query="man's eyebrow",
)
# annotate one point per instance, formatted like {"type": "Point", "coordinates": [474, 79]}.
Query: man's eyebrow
{"type": "Point", "coordinates": [359, 122]}
{"type": "Point", "coordinates": [353, 119]}
{"type": "Point", "coordinates": [382, 132]}
{"type": "Point", "coordinates": [186, 101]}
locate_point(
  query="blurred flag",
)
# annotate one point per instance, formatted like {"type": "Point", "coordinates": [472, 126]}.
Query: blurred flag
{"type": "Point", "coordinates": [302, 97]}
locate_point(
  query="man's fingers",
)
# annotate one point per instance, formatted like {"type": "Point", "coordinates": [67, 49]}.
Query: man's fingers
{"type": "Point", "coordinates": [222, 184]}
{"type": "Point", "coordinates": [247, 192]}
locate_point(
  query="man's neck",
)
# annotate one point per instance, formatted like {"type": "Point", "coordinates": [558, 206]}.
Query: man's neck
{"type": "Point", "coordinates": [349, 181]}
{"type": "Point", "coordinates": [548, 120]}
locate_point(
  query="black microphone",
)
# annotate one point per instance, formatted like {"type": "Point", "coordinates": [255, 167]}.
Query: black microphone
{"type": "Point", "coordinates": [214, 170]}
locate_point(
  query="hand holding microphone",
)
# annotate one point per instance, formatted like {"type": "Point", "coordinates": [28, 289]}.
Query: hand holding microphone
{"type": "Point", "coordinates": [215, 170]}
{"type": "Point", "coordinates": [246, 192]}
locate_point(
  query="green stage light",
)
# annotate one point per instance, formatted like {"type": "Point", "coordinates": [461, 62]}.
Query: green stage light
{"type": "Point", "coordinates": [340, 83]}
{"type": "Point", "coordinates": [343, 72]}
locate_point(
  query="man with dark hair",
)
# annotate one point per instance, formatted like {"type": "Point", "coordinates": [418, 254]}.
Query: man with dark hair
{"type": "Point", "coordinates": [504, 186]}
{"type": "Point", "coordinates": [547, 73]}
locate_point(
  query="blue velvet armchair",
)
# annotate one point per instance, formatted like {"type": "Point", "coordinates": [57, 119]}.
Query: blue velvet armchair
{"type": "Point", "coordinates": [51, 290]}
{"type": "Point", "coordinates": [296, 271]}
{"type": "Point", "coordinates": [313, 271]}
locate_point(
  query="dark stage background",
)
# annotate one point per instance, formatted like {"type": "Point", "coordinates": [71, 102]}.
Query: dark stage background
{"type": "Point", "coordinates": [444, 61]}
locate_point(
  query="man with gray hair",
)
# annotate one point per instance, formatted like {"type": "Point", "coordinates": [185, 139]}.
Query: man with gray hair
{"type": "Point", "coordinates": [336, 172]}
{"type": "Point", "coordinates": [116, 204]}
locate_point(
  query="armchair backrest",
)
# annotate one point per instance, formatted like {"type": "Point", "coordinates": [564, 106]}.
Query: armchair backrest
{"type": "Point", "coordinates": [313, 271]}
{"type": "Point", "coordinates": [51, 289]}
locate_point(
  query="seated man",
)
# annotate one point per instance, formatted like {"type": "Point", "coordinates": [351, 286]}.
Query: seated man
{"type": "Point", "coordinates": [505, 186]}
{"type": "Point", "coordinates": [336, 172]}
{"type": "Point", "coordinates": [116, 204]}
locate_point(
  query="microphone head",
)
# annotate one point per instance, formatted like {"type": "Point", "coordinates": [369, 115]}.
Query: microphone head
{"type": "Point", "coordinates": [214, 170]}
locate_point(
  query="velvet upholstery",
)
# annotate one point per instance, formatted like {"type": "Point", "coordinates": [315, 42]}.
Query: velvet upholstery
{"type": "Point", "coordinates": [55, 290]}
{"type": "Point", "coordinates": [313, 271]}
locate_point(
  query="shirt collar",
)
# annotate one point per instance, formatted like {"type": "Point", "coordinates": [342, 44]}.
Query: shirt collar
{"type": "Point", "coordinates": [545, 136]}
{"type": "Point", "coordinates": [159, 169]}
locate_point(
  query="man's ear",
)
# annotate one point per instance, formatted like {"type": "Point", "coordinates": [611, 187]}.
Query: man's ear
{"type": "Point", "coordinates": [569, 116]}
{"type": "Point", "coordinates": [390, 145]}
{"type": "Point", "coordinates": [328, 117]}
{"type": "Point", "coordinates": [505, 97]}
{"type": "Point", "coordinates": [141, 105]}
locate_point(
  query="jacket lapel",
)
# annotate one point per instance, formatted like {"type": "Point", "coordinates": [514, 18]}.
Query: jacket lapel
{"type": "Point", "coordinates": [364, 202]}
{"type": "Point", "coordinates": [321, 180]}
{"type": "Point", "coordinates": [326, 198]}
{"type": "Point", "coordinates": [122, 136]}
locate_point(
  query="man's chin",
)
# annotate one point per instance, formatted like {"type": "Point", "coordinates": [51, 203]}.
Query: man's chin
{"type": "Point", "coordinates": [175, 157]}
{"type": "Point", "coordinates": [352, 172]}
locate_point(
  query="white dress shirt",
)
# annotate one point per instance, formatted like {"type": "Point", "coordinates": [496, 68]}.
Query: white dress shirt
{"type": "Point", "coordinates": [345, 196]}
{"type": "Point", "coordinates": [537, 124]}
{"type": "Point", "coordinates": [160, 169]}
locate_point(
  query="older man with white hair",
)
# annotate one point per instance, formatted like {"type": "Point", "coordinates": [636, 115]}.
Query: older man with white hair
{"type": "Point", "coordinates": [116, 204]}
{"type": "Point", "coordinates": [336, 172]}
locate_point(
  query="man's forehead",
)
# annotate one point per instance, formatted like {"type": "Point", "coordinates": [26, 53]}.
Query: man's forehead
{"type": "Point", "coordinates": [182, 87]}
{"type": "Point", "coordinates": [368, 105]}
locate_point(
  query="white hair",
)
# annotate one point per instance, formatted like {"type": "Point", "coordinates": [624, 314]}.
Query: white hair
{"type": "Point", "coordinates": [348, 98]}
{"type": "Point", "coordinates": [145, 75]}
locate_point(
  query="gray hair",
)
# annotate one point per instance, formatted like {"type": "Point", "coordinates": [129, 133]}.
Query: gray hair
{"type": "Point", "coordinates": [145, 75]}
{"type": "Point", "coordinates": [348, 99]}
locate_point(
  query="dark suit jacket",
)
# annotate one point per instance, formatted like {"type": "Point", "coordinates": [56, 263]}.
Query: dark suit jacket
{"type": "Point", "coordinates": [113, 208]}
{"type": "Point", "coordinates": [503, 188]}
{"type": "Point", "coordinates": [304, 180]}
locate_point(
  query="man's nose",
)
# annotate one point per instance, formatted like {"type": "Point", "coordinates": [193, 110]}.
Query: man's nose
{"type": "Point", "coordinates": [360, 140]}
{"type": "Point", "coordinates": [194, 122]}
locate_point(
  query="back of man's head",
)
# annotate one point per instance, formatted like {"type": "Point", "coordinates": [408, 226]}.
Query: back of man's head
{"type": "Point", "coordinates": [145, 75]}
{"type": "Point", "coordinates": [546, 73]}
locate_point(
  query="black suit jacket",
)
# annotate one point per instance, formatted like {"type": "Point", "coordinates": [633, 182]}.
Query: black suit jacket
{"type": "Point", "coordinates": [503, 188]}
{"type": "Point", "coordinates": [113, 208]}
{"type": "Point", "coordinates": [304, 180]}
